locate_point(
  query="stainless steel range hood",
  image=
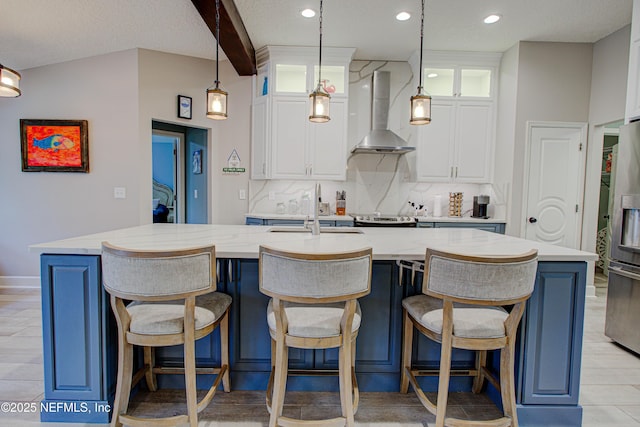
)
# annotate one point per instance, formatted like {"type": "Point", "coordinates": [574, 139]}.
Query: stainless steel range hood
{"type": "Point", "coordinates": [381, 139]}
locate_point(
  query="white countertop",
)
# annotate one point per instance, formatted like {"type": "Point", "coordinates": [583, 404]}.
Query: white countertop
{"type": "Point", "coordinates": [350, 218]}
{"type": "Point", "coordinates": [243, 241]}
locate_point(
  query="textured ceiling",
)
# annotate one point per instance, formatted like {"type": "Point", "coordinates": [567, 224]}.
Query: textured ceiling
{"type": "Point", "coordinates": [371, 27]}
{"type": "Point", "coordinates": [40, 32]}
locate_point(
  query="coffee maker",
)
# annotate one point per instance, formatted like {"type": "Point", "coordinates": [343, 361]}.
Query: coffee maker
{"type": "Point", "coordinates": [480, 206]}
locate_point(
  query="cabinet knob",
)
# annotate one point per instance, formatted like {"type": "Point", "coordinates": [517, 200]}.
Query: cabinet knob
{"type": "Point", "coordinates": [533, 220]}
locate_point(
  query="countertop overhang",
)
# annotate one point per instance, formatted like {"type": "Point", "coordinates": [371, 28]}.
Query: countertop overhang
{"type": "Point", "coordinates": [349, 217]}
{"type": "Point", "coordinates": [243, 241]}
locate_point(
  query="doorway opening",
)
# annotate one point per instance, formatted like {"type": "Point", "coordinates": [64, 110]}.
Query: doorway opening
{"type": "Point", "coordinates": [607, 187]}
{"type": "Point", "coordinates": [180, 173]}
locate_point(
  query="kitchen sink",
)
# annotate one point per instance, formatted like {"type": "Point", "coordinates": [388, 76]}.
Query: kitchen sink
{"type": "Point", "coordinates": [323, 230]}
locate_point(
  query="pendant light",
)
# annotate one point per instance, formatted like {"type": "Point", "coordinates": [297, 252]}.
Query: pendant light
{"type": "Point", "coordinates": [319, 99]}
{"type": "Point", "coordinates": [216, 97]}
{"type": "Point", "coordinates": [421, 103]}
{"type": "Point", "coordinates": [9, 82]}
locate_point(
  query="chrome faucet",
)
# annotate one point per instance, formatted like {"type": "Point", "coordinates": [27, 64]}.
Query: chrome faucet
{"type": "Point", "coordinates": [315, 225]}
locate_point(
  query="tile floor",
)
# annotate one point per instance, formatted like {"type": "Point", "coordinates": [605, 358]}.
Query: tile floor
{"type": "Point", "coordinates": [610, 384]}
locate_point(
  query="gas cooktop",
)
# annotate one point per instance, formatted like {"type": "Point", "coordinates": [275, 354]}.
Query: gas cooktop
{"type": "Point", "coordinates": [384, 219]}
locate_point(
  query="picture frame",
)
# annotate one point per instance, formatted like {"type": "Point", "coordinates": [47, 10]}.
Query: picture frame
{"type": "Point", "coordinates": [184, 107]}
{"type": "Point", "coordinates": [54, 145]}
{"type": "Point", "coordinates": [196, 162]}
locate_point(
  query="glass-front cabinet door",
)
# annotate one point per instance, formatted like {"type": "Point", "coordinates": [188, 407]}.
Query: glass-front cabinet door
{"type": "Point", "coordinates": [301, 79]}
{"type": "Point", "coordinates": [458, 82]}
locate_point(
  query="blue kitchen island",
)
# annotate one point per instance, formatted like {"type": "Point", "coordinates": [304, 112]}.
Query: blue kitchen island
{"type": "Point", "coordinates": [79, 332]}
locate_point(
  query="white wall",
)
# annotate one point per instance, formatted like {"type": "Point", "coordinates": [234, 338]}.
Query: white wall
{"type": "Point", "coordinates": [44, 206]}
{"type": "Point", "coordinates": [608, 95]}
{"type": "Point", "coordinates": [554, 83]}
{"type": "Point", "coordinates": [162, 77]}
{"type": "Point", "coordinates": [119, 94]}
{"type": "Point", "coordinates": [506, 126]}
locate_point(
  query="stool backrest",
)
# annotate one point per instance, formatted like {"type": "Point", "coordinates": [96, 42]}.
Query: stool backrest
{"type": "Point", "coordinates": [301, 277]}
{"type": "Point", "coordinates": [158, 275]}
{"type": "Point", "coordinates": [480, 280]}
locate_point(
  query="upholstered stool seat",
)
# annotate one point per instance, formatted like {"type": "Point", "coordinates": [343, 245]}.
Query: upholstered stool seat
{"type": "Point", "coordinates": [313, 321]}
{"type": "Point", "coordinates": [168, 318]}
{"type": "Point", "coordinates": [463, 306]}
{"type": "Point", "coordinates": [314, 306]}
{"type": "Point", "coordinates": [469, 321]}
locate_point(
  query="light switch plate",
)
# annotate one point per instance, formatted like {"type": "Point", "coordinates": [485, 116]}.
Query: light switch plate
{"type": "Point", "coordinates": [272, 195]}
{"type": "Point", "coordinates": [119, 193]}
{"type": "Point", "coordinates": [242, 195]}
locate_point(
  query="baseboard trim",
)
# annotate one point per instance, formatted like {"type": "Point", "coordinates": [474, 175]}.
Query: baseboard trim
{"type": "Point", "coordinates": [20, 282]}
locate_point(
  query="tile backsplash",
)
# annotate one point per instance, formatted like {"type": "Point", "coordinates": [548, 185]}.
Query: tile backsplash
{"type": "Point", "coordinates": [383, 183]}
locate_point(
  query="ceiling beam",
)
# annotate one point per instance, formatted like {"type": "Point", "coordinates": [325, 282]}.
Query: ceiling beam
{"type": "Point", "coordinates": [234, 39]}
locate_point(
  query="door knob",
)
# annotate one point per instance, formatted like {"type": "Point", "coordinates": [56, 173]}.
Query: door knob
{"type": "Point", "coordinates": [533, 220]}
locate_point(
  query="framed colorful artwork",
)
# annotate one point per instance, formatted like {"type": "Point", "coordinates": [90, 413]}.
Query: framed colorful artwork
{"type": "Point", "coordinates": [54, 145]}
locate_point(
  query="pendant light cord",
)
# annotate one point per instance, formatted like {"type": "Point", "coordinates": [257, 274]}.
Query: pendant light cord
{"type": "Point", "coordinates": [320, 50]}
{"type": "Point", "coordinates": [421, 46]}
{"type": "Point", "coordinates": [218, 38]}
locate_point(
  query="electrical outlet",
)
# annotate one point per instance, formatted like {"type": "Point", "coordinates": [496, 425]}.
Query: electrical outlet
{"type": "Point", "coordinates": [242, 195]}
{"type": "Point", "coordinates": [119, 193]}
{"type": "Point", "coordinates": [272, 195]}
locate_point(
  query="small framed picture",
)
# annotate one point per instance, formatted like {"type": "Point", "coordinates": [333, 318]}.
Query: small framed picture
{"type": "Point", "coordinates": [196, 162]}
{"type": "Point", "coordinates": [184, 107]}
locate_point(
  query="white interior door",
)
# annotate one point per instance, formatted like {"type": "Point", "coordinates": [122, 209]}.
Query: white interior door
{"type": "Point", "coordinates": [554, 186]}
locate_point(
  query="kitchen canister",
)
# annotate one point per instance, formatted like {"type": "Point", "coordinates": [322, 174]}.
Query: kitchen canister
{"type": "Point", "coordinates": [437, 205]}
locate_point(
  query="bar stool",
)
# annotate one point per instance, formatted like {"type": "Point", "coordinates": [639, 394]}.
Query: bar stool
{"type": "Point", "coordinates": [314, 306]}
{"type": "Point", "coordinates": [163, 287]}
{"type": "Point", "coordinates": [462, 307]}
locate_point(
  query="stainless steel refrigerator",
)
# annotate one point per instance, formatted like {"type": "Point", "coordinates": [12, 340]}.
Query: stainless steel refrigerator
{"type": "Point", "coordinates": [623, 294]}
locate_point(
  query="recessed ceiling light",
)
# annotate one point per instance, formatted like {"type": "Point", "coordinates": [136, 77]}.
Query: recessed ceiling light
{"type": "Point", "coordinates": [403, 16]}
{"type": "Point", "coordinates": [432, 75]}
{"type": "Point", "coordinates": [492, 19]}
{"type": "Point", "coordinates": [308, 13]}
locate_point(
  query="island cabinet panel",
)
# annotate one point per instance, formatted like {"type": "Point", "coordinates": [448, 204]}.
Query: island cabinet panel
{"type": "Point", "coordinates": [377, 347]}
{"type": "Point", "coordinates": [553, 326]}
{"type": "Point", "coordinates": [79, 356]}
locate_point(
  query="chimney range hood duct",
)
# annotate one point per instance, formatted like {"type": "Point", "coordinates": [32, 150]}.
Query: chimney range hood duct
{"type": "Point", "coordinates": [381, 139]}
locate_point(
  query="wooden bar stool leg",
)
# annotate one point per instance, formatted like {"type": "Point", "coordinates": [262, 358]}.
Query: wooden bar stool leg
{"type": "Point", "coordinates": [346, 386]}
{"type": "Point", "coordinates": [354, 380]}
{"type": "Point", "coordinates": [150, 362]}
{"type": "Point", "coordinates": [280, 380]}
{"type": "Point", "coordinates": [224, 351]}
{"type": "Point", "coordinates": [507, 386]}
{"type": "Point", "coordinates": [123, 388]}
{"type": "Point", "coordinates": [407, 344]}
{"type": "Point", "coordinates": [481, 363]}
{"type": "Point", "coordinates": [445, 364]}
{"type": "Point", "coordinates": [190, 362]}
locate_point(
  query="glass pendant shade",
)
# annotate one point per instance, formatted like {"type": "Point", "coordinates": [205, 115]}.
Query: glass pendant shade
{"type": "Point", "coordinates": [9, 82]}
{"type": "Point", "coordinates": [319, 103]}
{"type": "Point", "coordinates": [420, 109]}
{"type": "Point", "coordinates": [216, 103]}
{"type": "Point", "coordinates": [216, 97]}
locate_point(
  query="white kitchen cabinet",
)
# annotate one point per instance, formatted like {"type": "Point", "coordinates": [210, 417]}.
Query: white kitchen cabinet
{"type": "Point", "coordinates": [633, 78]}
{"type": "Point", "coordinates": [285, 144]}
{"type": "Point", "coordinates": [457, 146]}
